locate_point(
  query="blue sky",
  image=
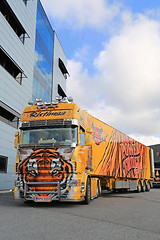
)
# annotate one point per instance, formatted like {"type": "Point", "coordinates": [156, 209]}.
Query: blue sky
{"type": "Point", "coordinates": [141, 5]}
{"type": "Point", "coordinates": [113, 53]}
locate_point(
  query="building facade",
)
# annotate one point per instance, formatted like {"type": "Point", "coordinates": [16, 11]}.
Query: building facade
{"type": "Point", "coordinates": [30, 55]}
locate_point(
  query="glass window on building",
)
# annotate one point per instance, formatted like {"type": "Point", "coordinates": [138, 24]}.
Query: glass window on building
{"type": "Point", "coordinates": [25, 2]}
{"type": "Point", "coordinates": [3, 164]}
{"type": "Point", "coordinates": [43, 69]}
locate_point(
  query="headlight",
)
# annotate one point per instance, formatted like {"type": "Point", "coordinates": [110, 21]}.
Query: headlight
{"type": "Point", "coordinates": [75, 183]}
{"type": "Point", "coordinates": [18, 184]}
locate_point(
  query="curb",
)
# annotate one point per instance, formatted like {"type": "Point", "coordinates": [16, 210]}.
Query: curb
{"type": "Point", "coordinates": [6, 191]}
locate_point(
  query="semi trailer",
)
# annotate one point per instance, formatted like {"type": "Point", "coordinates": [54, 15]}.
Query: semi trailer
{"type": "Point", "coordinates": [66, 154]}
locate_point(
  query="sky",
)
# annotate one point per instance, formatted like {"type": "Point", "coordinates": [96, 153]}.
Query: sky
{"type": "Point", "coordinates": [113, 58]}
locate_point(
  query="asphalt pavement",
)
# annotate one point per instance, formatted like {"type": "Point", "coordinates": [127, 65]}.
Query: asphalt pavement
{"type": "Point", "coordinates": [118, 216]}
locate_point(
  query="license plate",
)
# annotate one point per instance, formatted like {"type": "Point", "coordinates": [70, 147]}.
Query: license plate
{"type": "Point", "coordinates": [42, 199]}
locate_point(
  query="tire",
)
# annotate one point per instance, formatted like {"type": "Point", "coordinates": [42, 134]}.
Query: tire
{"type": "Point", "coordinates": [88, 192]}
{"type": "Point", "coordinates": [148, 186]}
{"type": "Point", "coordinates": [144, 186]}
{"type": "Point", "coordinates": [99, 190]}
{"type": "Point", "coordinates": [139, 187]}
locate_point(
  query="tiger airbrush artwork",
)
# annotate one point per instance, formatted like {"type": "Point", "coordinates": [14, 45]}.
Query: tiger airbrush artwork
{"type": "Point", "coordinates": [49, 166]}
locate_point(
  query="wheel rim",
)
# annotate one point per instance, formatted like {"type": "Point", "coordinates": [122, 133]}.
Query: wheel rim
{"type": "Point", "coordinates": [144, 186]}
{"type": "Point", "coordinates": [148, 186]}
{"type": "Point", "coordinates": [139, 187]}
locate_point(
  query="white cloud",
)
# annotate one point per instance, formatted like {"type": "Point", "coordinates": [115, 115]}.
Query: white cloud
{"type": "Point", "coordinates": [78, 85]}
{"type": "Point", "coordinates": [82, 53]}
{"type": "Point", "coordinates": [125, 91]}
{"type": "Point", "coordinates": [130, 65]}
{"type": "Point", "coordinates": [82, 13]}
{"type": "Point", "coordinates": [147, 140]}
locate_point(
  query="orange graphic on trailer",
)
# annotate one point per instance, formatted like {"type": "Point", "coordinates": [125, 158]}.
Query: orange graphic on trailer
{"type": "Point", "coordinates": [122, 157]}
{"type": "Point", "coordinates": [98, 134]}
{"type": "Point", "coordinates": [131, 153]}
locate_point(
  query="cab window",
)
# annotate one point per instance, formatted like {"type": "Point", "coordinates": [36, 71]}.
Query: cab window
{"type": "Point", "coordinates": [82, 136]}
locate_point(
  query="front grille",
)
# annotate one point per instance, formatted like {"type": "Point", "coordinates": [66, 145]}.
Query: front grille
{"type": "Point", "coordinates": [32, 189]}
{"type": "Point", "coordinates": [50, 122]}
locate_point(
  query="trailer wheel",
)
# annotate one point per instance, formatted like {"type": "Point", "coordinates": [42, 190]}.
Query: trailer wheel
{"type": "Point", "coordinates": [139, 187]}
{"type": "Point", "coordinates": [148, 186]}
{"type": "Point", "coordinates": [144, 186]}
{"type": "Point", "coordinates": [88, 192]}
{"type": "Point", "coordinates": [99, 189]}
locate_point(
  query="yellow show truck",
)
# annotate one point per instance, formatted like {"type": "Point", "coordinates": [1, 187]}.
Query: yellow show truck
{"type": "Point", "coordinates": [65, 154]}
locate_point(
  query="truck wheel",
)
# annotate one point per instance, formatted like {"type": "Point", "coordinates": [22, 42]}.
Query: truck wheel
{"type": "Point", "coordinates": [99, 190]}
{"type": "Point", "coordinates": [144, 186]}
{"type": "Point", "coordinates": [88, 192]}
{"type": "Point", "coordinates": [148, 186]}
{"type": "Point", "coordinates": [139, 187]}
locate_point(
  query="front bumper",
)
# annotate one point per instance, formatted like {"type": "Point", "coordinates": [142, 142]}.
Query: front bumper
{"type": "Point", "coordinates": [28, 194]}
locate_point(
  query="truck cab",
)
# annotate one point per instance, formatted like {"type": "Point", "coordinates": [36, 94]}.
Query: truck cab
{"type": "Point", "coordinates": [50, 164]}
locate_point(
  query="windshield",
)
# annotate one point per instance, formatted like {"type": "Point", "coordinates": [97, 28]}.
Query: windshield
{"type": "Point", "coordinates": [52, 136]}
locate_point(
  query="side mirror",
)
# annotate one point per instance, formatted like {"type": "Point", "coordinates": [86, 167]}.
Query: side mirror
{"type": "Point", "coordinates": [88, 136]}
{"type": "Point", "coordinates": [16, 142]}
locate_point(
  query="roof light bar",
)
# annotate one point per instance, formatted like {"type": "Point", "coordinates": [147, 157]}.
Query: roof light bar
{"type": "Point", "coordinates": [59, 98]}
{"type": "Point", "coordinates": [30, 102]}
{"type": "Point", "coordinates": [38, 99]}
{"type": "Point", "coordinates": [54, 102]}
{"type": "Point", "coordinates": [70, 99]}
{"type": "Point", "coordinates": [39, 104]}
{"type": "Point", "coordinates": [47, 103]}
{"type": "Point", "coordinates": [65, 99]}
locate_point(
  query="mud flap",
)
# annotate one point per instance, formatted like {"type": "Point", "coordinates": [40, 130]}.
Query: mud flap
{"type": "Point", "coordinates": [16, 193]}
